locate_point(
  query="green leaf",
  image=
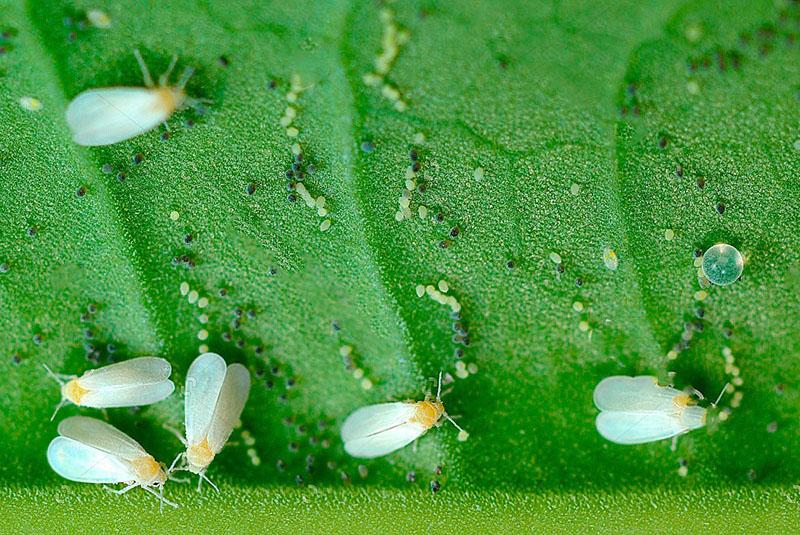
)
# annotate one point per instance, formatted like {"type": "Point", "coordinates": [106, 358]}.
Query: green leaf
{"type": "Point", "coordinates": [542, 131]}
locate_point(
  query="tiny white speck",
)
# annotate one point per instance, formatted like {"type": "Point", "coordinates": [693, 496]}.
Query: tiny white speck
{"type": "Point", "coordinates": [575, 188]}
{"type": "Point", "coordinates": [184, 288]}
{"type": "Point", "coordinates": [202, 349]}
{"type": "Point", "coordinates": [610, 258]}
{"type": "Point", "coordinates": [692, 87]}
{"type": "Point", "coordinates": [292, 131]}
{"type": "Point", "coordinates": [98, 19]}
{"type": "Point", "coordinates": [30, 103]}
{"type": "Point", "coordinates": [202, 318]}
{"type": "Point", "coordinates": [202, 302]}
{"type": "Point", "coordinates": [555, 257]}
{"type": "Point", "coordinates": [193, 295]}
{"type": "Point", "coordinates": [478, 173]}
{"type": "Point", "coordinates": [462, 436]}
{"type": "Point", "coordinates": [202, 334]}
{"type": "Point", "coordinates": [418, 139]}
{"type": "Point", "coordinates": [669, 234]}
{"type": "Point", "coordinates": [694, 33]}
{"type": "Point", "coordinates": [443, 286]}
{"type": "Point", "coordinates": [325, 225]}
{"type": "Point", "coordinates": [174, 215]}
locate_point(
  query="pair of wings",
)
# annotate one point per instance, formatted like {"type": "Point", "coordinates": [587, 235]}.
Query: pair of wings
{"type": "Point", "coordinates": [91, 451]}
{"type": "Point", "coordinates": [139, 381]}
{"type": "Point", "coordinates": [215, 397]}
{"type": "Point", "coordinates": [110, 115]}
{"type": "Point", "coordinates": [377, 430]}
{"type": "Point", "coordinates": [635, 410]}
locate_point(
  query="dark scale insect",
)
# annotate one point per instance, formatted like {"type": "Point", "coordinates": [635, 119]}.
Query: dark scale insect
{"type": "Point", "coordinates": [138, 158]}
{"type": "Point", "coordinates": [81, 191]}
{"type": "Point", "coordinates": [435, 486]}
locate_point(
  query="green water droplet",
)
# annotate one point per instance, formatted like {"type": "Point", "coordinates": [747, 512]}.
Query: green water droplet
{"type": "Point", "coordinates": [722, 264]}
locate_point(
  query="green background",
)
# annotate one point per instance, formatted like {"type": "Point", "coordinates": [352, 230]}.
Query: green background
{"type": "Point", "coordinates": [632, 101]}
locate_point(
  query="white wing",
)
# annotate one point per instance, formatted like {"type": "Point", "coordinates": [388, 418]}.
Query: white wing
{"type": "Point", "coordinates": [139, 381]}
{"type": "Point", "coordinates": [633, 427]}
{"type": "Point", "coordinates": [203, 384]}
{"type": "Point", "coordinates": [78, 462]}
{"type": "Point", "coordinates": [376, 430]}
{"type": "Point", "coordinates": [128, 396]}
{"type": "Point", "coordinates": [232, 398]}
{"type": "Point", "coordinates": [101, 436]}
{"type": "Point", "coordinates": [138, 371]}
{"type": "Point", "coordinates": [633, 393]}
{"type": "Point", "coordinates": [109, 115]}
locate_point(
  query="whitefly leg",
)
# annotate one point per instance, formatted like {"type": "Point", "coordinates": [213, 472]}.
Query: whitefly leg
{"type": "Point", "coordinates": [120, 492]}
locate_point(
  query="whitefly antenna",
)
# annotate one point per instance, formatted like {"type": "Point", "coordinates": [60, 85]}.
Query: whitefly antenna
{"type": "Point", "coordinates": [184, 79]}
{"type": "Point", "coordinates": [148, 80]}
{"type": "Point", "coordinates": [162, 80]}
{"type": "Point", "coordinates": [439, 389]}
{"type": "Point", "coordinates": [60, 382]}
{"type": "Point", "coordinates": [453, 422]}
{"type": "Point", "coordinates": [54, 376]}
{"type": "Point", "coordinates": [724, 388]}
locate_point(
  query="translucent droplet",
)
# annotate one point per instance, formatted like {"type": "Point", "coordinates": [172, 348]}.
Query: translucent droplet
{"type": "Point", "coordinates": [722, 264]}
